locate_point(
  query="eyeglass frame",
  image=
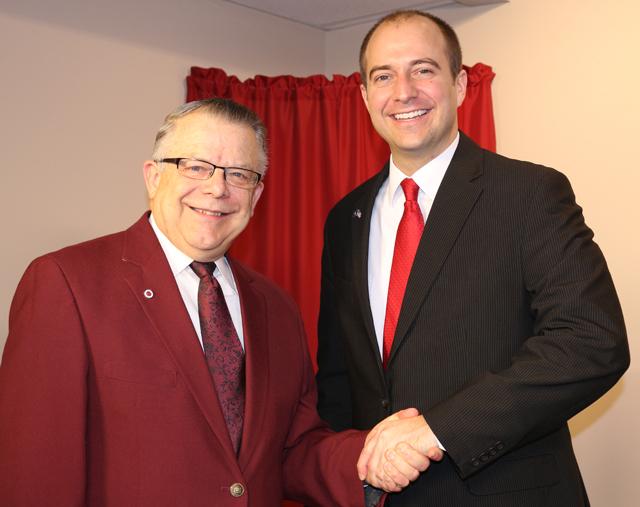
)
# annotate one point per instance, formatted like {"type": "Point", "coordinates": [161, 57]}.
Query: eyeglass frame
{"type": "Point", "coordinates": [177, 160]}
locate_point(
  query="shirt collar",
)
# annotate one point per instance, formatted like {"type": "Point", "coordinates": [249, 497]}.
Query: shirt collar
{"type": "Point", "coordinates": [428, 177]}
{"type": "Point", "coordinates": [179, 261]}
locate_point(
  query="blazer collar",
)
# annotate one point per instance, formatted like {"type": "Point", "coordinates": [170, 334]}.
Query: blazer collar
{"type": "Point", "coordinates": [360, 227]}
{"type": "Point", "coordinates": [256, 340]}
{"type": "Point", "coordinates": [149, 276]}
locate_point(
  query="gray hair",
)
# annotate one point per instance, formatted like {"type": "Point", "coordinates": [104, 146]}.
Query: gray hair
{"type": "Point", "coordinates": [226, 109]}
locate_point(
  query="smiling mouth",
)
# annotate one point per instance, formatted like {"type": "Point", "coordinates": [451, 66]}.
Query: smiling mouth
{"type": "Point", "coordinates": [410, 115]}
{"type": "Point", "coordinates": [208, 213]}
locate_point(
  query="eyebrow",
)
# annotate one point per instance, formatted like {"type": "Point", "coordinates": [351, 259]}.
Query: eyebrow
{"type": "Point", "coordinates": [426, 60]}
{"type": "Point", "coordinates": [412, 64]}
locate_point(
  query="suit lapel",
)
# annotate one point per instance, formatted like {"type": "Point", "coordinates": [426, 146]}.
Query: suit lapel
{"type": "Point", "coordinates": [455, 199]}
{"type": "Point", "coordinates": [148, 274]}
{"type": "Point", "coordinates": [256, 344]}
{"type": "Point", "coordinates": [360, 227]}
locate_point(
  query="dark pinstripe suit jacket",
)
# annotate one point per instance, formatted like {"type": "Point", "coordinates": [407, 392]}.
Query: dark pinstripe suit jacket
{"type": "Point", "coordinates": [510, 326]}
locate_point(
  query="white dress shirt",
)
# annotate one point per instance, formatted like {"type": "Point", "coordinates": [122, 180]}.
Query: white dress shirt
{"type": "Point", "coordinates": [385, 218]}
{"type": "Point", "coordinates": [188, 283]}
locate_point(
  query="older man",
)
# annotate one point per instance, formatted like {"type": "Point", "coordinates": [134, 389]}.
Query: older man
{"type": "Point", "coordinates": [464, 284]}
{"type": "Point", "coordinates": [146, 368]}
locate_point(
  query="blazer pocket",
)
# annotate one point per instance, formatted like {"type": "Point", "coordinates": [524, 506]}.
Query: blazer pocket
{"type": "Point", "coordinates": [135, 374]}
{"type": "Point", "coordinates": [515, 474]}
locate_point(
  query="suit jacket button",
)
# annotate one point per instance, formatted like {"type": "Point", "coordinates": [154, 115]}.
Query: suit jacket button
{"type": "Point", "coordinates": [236, 489]}
{"type": "Point", "coordinates": [385, 403]}
{"type": "Point", "coordinates": [475, 463]}
{"type": "Point", "coordinates": [499, 446]}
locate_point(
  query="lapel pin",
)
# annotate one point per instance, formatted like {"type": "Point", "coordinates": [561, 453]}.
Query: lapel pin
{"type": "Point", "coordinates": [148, 293]}
{"type": "Point", "coordinates": [357, 213]}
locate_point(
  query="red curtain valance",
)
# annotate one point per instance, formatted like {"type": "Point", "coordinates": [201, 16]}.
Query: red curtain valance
{"type": "Point", "coordinates": [475, 116]}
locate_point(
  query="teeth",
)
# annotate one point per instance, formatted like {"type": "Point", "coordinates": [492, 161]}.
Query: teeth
{"type": "Point", "coordinates": [410, 114]}
{"type": "Point", "coordinates": [208, 213]}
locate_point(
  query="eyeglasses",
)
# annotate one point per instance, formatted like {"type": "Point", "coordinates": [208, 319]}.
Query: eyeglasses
{"type": "Point", "coordinates": [203, 170]}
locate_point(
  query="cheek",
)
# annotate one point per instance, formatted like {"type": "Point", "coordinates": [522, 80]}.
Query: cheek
{"type": "Point", "coordinates": [170, 199]}
{"type": "Point", "coordinates": [445, 94]}
{"type": "Point", "coordinates": [376, 100]}
{"type": "Point", "coordinates": [177, 193]}
{"type": "Point", "coordinates": [246, 204]}
{"type": "Point", "coordinates": [381, 102]}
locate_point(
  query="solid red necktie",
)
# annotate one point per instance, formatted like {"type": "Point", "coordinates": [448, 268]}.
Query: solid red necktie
{"type": "Point", "coordinates": [222, 349]}
{"type": "Point", "coordinates": [404, 251]}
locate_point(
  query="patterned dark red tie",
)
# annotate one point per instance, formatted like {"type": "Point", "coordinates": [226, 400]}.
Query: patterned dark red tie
{"type": "Point", "coordinates": [222, 349]}
{"type": "Point", "coordinates": [404, 251]}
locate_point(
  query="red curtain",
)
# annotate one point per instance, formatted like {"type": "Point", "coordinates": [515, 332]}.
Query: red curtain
{"type": "Point", "coordinates": [321, 146]}
{"type": "Point", "coordinates": [475, 115]}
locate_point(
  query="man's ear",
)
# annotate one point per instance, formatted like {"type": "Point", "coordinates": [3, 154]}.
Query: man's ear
{"type": "Point", "coordinates": [461, 86]}
{"type": "Point", "coordinates": [363, 92]}
{"type": "Point", "coordinates": [152, 175]}
{"type": "Point", "coordinates": [257, 192]}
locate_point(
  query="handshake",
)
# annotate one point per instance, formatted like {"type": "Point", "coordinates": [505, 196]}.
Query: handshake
{"type": "Point", "coordinates": [397, 450]}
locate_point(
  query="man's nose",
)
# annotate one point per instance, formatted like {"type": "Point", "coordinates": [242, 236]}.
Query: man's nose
{"type": "Point", "coordinates": [404, 88]}
{"type": "Point", "coordinates": [216, 185]}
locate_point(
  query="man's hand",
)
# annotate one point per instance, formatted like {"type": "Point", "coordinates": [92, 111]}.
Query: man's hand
{"type": "Point", "coordinates": [397, 450]}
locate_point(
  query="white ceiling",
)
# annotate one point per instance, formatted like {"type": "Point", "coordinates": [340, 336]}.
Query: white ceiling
{"type": "Point", "coordinates": [335, 14]}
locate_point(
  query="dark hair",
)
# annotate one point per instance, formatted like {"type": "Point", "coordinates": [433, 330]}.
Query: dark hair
{"type": "Point", "coordinates": [454, 52]}
{"type": "Point", "coordinates": [223, 108]}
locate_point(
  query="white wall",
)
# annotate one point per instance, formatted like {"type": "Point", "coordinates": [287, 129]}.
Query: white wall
{"type": "Point", "coordinates": [86, 84]}
{"type": "Point", "coordinates": [566, 95]}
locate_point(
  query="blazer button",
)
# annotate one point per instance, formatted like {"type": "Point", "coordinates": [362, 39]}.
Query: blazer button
{"type": "Point", "coordinates": [236, 490]}
{"type": "Point", "coordinates": [385, 403]}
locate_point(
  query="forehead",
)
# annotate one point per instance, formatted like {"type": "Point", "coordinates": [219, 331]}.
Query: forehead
{"type": "Point", "coordinates": [210, 137]}
{"type": "Point", "coordinates": [410, 38]}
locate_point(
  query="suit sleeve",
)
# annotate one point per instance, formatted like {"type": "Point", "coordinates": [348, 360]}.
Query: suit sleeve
{"type": "Point", "coordinates": [334, 392]}
{"type": "Point", "coordinates": [43, 394]}
{"type": "Point", "coordinates": [319, 465]}
{"type": "Point", "coordinates": [577, 352]}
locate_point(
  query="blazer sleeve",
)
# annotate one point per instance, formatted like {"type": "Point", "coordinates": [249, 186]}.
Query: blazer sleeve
{"type": "Point", "coordinates": [334, 391]}
{"type": "Point", "coordinates": [319, 465]}
{"type": "Point", "coordinates": [43, 394]}
{"type": "Point", "coordinates": [578, 349]}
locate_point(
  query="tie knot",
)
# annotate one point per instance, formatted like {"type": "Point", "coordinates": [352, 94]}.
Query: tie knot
{"type": "Point", "coordinates": [410, 189]}
{"type": "Point", "coordinates": [203, 269]}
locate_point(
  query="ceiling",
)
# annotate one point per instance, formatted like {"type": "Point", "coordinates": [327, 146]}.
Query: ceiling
{"type": "Point", "coordinates": [330, 15]}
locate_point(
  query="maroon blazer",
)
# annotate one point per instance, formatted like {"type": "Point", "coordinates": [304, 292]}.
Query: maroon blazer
{"type": "Point", "coordinates": [106, 398]}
